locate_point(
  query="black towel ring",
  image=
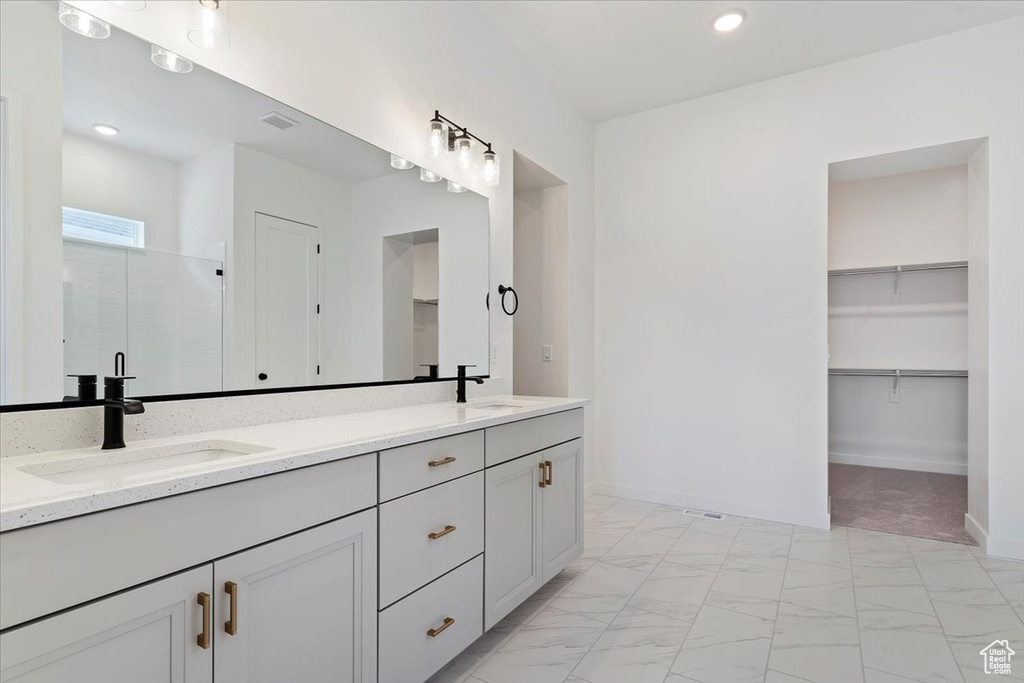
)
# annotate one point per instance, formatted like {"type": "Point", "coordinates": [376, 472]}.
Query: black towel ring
{"type": "Point", "coordinates": [503, 290]}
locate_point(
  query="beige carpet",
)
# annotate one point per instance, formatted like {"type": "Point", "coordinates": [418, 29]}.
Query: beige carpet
{"type": "Point", "coordinates": [921, 504]}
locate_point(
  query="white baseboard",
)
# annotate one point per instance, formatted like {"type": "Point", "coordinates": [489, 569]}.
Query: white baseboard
{"type": "Point", "coordinates": [588, 490]}
{"type": "Point", "coordinates": [1004, 547]}
{"type": "Point", "coordinates": [898, 463]}
{"type": "Point", "coordinates": [807, 518]}
{"type": "Point", "coordinates": [976, 531]}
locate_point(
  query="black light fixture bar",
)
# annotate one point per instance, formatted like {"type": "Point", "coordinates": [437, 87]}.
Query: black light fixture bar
{"type": "Point", "coordinates": [452, 127]}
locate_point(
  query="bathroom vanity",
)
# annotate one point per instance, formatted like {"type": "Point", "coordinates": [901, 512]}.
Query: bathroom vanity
{"type": "Point", "coordinates": [361, 547]}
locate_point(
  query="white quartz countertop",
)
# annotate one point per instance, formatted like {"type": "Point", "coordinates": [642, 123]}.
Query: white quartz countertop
{"type": "Point", "coordinates": [27, 499]}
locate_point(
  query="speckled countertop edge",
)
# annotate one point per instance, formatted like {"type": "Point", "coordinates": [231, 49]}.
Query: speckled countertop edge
{"type": "Point", "coordinates": [27, 500]}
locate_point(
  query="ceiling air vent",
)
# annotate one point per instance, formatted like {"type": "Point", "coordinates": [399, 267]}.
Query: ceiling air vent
{"type": "Point", "coordinates": [278, 120]}
{"type": "Point", "coordinates": [704, 514]}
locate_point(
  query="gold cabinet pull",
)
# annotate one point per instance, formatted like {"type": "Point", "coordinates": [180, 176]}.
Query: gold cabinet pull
{"type": "Point", "coordinates": [231, 625]}
{"type": "Point", "coordinates": [443, 461]}
{"type": "Point", "coordinates": [435, 632]}
{"type": "Point", "coordinates": [547, 463]}
{"type": "Point", "coordinates": [434, 535]}
{"type": "Point", "coordinates": [203, 639]}
{"type": "Point", "coordinates": [543, 481]}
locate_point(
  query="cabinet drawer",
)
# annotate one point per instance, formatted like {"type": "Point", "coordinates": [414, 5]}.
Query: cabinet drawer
{"type": "Point", "coordinates": [409, 468]}
{"type": "Point", "coordinates": [407, 652]}
{"type": "Point", "coordinates": [409, 558]}
{"type": "Point", "coordinates": [514, 439]}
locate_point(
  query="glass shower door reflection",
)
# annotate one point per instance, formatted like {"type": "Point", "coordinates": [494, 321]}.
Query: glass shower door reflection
{"type": "Point", "coordinates": [175, 324]}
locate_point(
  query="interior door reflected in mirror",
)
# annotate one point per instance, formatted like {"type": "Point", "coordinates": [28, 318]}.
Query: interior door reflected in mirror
{"type": "Point", "coordinates": [221, 240]}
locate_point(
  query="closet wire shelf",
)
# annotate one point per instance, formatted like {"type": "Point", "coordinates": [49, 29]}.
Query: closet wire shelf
{"type": "Point", "coordinates": [914, 267]}
{"type": "Point", "coordinates": [852, 372]}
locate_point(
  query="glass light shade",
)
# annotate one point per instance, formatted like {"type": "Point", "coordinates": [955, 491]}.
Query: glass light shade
{"type": "Point", "coordinates": [81, 23]}
{"type": "Point", "coordinates": [429, 176]}
{"type": "Point", "coordinates": [490, 169]}
{"type": "Point", "coordinates": [209, 24]}
{"type": "Point", "coordinates": [130, 5]}
{"type": "Point", "coordinates": [455, 187]}
{"type": "Point", "coordinates": [437, 141]}
{"type": "Point", "coordinates": [400, 163]}
{"type": "Point", "coordinates": [168, 61]}
{"type": "Point", "coordinates": [464, 152]}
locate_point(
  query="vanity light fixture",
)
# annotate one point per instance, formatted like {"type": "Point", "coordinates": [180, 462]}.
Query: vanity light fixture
{"type": "Point", "coordinates": [130, 5]}
{"type": "Point", "coordinates": [455, 187]}
{"type": "Point", "coordinates": [490, 168]}
{"type": "Point", "coordinates": [729, 20]}
{"type": "Point", "coordinates": [464, 151]}
{"type": "Point", "coordinates": [437, 140]}
{"type": "Point", "coordinates": [105, 129]}
{"type": "Point", "coordinates": [400, 163]}
{"type": "Point", "coordinates": [168, 61]}
{"type": "Point", "coordinates": [447, 136]}
{"type": "Point", "coordinates": [429, 176]}
{"type": "Point", "coordinates": [81, 23]}
{"type": "Point", "coordinates": [209, 24]}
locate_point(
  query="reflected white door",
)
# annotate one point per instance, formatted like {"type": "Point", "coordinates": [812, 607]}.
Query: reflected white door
{"type": "Point", "coordinates": [287, 300]}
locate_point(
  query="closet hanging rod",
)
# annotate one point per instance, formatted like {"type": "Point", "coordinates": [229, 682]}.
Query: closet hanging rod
{"type": "Point", "coordinates": [851, 372]}
{"type": "Point", "coordinates": [949, 265]}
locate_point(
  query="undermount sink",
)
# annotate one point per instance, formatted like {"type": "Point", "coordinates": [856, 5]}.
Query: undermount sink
{"type": "Point", "coordinates": [136, 461]}
{"type": "Point", "coordinates": [500, 405]}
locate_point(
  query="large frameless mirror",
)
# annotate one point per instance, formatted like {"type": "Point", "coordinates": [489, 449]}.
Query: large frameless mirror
{"type": "Point", "coordinates": [217, 238]}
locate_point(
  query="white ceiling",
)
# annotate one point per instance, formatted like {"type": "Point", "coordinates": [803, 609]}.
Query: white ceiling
{"type": "Point", "coordinates": [614, 58]}
{"type": "Point", "coordinates": [180, 116]}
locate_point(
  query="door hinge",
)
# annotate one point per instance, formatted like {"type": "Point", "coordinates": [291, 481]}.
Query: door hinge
{"type": "Point", "coordinates": [318, 309]}
{"type": "Point", "coordinates": [318, 369]}
{"type": "Point", "coordinates": [318, 248]}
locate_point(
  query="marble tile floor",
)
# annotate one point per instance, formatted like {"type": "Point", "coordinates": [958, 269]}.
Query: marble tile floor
{"type": "Point", "coordinates": [665, 597]}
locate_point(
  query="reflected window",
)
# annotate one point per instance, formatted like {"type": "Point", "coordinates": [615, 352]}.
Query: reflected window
{"type": "Point", "coordinates": [103, 228]}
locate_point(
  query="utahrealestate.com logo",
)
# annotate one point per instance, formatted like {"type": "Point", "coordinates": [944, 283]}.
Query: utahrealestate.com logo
{"type": "Point", "coordinates": [997, 657]}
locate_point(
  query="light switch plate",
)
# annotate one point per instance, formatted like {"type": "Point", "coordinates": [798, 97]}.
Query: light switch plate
{"type": "Point", "coordinates": [548, 352]}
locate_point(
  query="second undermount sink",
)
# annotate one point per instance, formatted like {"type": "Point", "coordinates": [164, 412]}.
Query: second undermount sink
{"type": "Point", "coordinates": [501, 405]}
{"type": "Point", "coordinates": [137, 461]}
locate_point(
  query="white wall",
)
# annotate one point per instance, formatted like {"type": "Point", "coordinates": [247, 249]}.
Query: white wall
{"type": "Point", "coordinates": [978, 343]}
{"type": "Point", "coordinates": [106, 178]}
{"type": "Point", "coordinates": [398, 204]}
{"type": "Point", "coordinates": [398, 77]}
{"type": "Point", "coordinates": [30, 78]}
{"type": "Point", "coordinates": [269, 185]}
{"type": "Point", "coordinates": [711, 258]}
{"type": "Point", "coordinates": [541, 254]}
{"type": "Point", "coordinates": [918, 217]}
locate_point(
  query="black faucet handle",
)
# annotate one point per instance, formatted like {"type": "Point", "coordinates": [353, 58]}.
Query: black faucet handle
{"type": "Point", "coordinates": [85, 377]}
{"type": "Point", "coordinates": [114, 379]}
{"type": "Point", "coordinates": [462, 368]}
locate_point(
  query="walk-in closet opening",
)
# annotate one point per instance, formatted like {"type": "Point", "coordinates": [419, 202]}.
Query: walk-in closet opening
{"type": "Point", "coordinates": [907, 332]}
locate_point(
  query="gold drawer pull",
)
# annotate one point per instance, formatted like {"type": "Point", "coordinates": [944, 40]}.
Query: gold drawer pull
{"type": "Point", "coordinates": [231, 625]}
{"type": "Point", "coordinates": [203, 639]}
{"type": "Point", "coordinates": [543, 481]}
{"type": "Point", "coordinates": [434, 535]}
{"type": "Point", "coordinates": [547, 482]}
{"type": "Point", "coordinates": [435, 632]}
{"type": "Point", "coordinates": [438, 463]}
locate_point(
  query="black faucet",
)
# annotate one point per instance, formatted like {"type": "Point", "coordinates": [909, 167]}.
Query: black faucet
{"type": "Point", "coordinates": [115, 407]}
{"type": "Point", "coordinates": [460, 391]}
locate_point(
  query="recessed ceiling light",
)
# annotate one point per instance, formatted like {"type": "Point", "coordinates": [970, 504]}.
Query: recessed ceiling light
{"type": "Point", "coordinates": [130, 5]}
{"type": "Point", "coordinates": [104, 129]}
{"type": "Point", "coordinates": [729, 21]}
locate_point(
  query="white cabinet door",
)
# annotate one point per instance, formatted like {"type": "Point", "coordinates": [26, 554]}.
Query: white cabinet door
{"type": "Point", "coordinates": [305, 606]}
{"type": "Point", "coordinates": [144, 635]}
{"type": "Point", "coordinates": [512, 546]}
{"type": "Point", "coordinates": [562, 519]}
